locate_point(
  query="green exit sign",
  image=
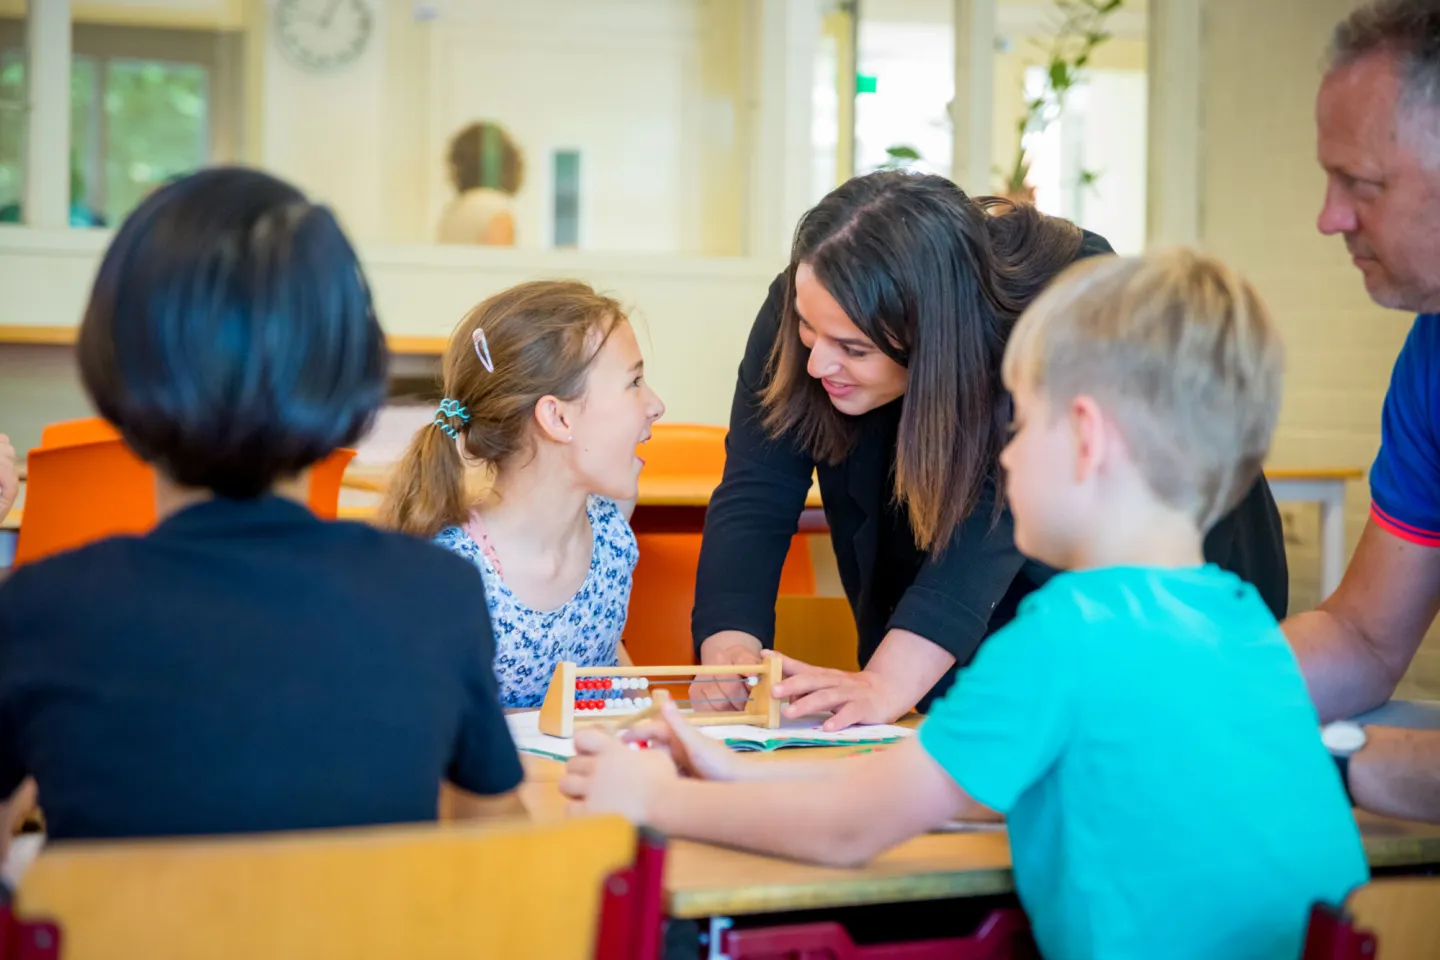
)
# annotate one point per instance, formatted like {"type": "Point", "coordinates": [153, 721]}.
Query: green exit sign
{"type": "Point", "coordinates": [864, 84]}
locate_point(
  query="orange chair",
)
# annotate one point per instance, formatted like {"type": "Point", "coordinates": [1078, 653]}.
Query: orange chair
{"type": "Point", "coordinates": [657, 630]}
{"type": "Point", "coordinates": [84, 484]}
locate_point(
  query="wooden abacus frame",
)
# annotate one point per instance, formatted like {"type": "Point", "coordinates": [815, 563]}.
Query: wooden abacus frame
{"type": "Point", "coordinates": [558, 717]}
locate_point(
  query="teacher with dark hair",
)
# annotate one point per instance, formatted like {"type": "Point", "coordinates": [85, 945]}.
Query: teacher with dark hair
{"type": "Point", "coordinates": [875, 363]}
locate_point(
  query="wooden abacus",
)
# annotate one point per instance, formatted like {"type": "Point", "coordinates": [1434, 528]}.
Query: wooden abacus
{"type": "Point", "coordinates": [585, 695]}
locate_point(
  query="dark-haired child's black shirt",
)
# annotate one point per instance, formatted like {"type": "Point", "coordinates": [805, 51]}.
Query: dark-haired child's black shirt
{"type": "Point", "coordinates": [248, 667]}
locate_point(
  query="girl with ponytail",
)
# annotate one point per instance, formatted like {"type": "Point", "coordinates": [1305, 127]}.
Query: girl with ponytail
{"type": "Point", "coordinates": [545, 398]}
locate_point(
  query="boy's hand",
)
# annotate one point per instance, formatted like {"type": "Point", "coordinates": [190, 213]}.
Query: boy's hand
{"type": "Point", "coordinates": [9, 476]}
{"type": "Point", "coordinates": [694, 753]}
{"type": "Point", "coordinates": [607, 775]}
{"type": "Point", "coordinates": [855, 697]}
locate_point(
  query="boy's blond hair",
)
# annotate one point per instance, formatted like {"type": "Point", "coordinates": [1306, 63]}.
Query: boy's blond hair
{"type": "Point", "coordinates": [1179, 351]}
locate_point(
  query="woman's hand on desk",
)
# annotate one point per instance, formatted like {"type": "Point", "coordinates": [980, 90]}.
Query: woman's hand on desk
{"type": "Point", "coordinates": [726, 647]}
{"type": "Point", "coordinates": [855, 697]}
{"type": "Point", "coordinates": [902, 670]}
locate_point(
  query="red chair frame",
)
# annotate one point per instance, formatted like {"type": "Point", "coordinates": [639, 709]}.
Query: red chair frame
{"type": "Point", "coordinates": [1332, 935]}
{"type": "Point", "coordinates": [1004, 935]}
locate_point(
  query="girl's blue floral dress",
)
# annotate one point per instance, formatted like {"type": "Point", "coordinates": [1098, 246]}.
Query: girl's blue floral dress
{"type": "Point", "coordinates": [585, 629]}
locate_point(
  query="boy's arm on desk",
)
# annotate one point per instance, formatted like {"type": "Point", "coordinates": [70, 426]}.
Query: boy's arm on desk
{"type": "Point", "coordinates": [857, 808]}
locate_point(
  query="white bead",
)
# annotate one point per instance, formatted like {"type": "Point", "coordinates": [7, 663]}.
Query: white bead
{"type": "Point", "coordinates": [750, 681]}
{"type": "Point", "coordinates": [645, 703]}
{"type": "Point", "coordinates": [644, 683]}
{"type": "Point", "coordinates": [627, 683]}
{"type": "Point", "coordinates": [627, 704]}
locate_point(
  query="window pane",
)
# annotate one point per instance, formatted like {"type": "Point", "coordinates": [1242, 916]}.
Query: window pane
{"type": "Point", "coordinates": [84, 144]}
{"type": "Point", "coordinates": [83, 116]}
{"type": "Point", "coordinates": [12, 132]}
{"type": "Point", "coordinates": [157, 126]}
{"type": "Point", "coordinates": [906, 66]}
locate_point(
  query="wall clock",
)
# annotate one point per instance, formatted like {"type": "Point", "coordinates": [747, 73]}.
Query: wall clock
{"type": "Point", "coordinates": [323, 35]}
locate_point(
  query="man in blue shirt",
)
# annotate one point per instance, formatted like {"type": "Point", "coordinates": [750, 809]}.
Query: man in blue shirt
{"type": "Point", "coordinates": [1378, 118]}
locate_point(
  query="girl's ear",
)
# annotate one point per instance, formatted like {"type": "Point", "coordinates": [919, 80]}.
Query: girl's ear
{"type": "Point", "coordinates": [553, 417]}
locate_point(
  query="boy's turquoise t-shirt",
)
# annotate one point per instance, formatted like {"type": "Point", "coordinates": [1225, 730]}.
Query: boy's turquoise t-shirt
{"type": "Point", "coordinates": [1149, 736]}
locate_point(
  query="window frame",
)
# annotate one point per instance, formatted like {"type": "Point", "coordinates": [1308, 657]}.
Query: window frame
{"type": "Point", "coordinates": [219, 52]}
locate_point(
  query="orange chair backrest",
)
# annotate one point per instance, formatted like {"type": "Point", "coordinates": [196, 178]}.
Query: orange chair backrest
{"type": "Point", "coordinates": [657, 630]}
{"type": "Point", "coordinates": [84, 484]}
{"type": "Point", "coordinates": [68, 433]}
{"type": "Point", "coordinates": [685, 449]}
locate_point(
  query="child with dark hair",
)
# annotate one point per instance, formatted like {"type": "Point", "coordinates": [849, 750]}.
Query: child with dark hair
{"type": "Point", "coordinates": [244, 666]}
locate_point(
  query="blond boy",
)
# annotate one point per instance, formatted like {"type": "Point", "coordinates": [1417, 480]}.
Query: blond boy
{"type": "Point", "coordinates": [1142, 723]}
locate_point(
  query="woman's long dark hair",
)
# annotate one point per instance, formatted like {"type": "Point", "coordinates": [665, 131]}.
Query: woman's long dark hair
{"type": "Point", "coordinates": [935, 279]}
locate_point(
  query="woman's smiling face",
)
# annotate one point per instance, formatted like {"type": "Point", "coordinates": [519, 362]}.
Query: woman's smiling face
{"type": "Point", "coordinates": [856, 375]}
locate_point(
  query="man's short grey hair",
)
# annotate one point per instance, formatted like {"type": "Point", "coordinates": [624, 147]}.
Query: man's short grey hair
{"type": "Point", "coordinates": [1409, 29]}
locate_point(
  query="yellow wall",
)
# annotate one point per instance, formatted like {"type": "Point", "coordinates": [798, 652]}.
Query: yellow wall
{"type": "Point", "coordinates": [180, 14]}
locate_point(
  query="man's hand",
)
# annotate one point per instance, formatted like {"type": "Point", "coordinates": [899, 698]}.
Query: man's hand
{"type": "Point", "coordinates": [1397, 773]}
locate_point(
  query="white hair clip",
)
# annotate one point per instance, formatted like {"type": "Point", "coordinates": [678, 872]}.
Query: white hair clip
{"type": "Point", "coordinates": [482, 350]}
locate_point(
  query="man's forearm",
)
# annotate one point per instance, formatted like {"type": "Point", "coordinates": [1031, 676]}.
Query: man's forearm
{"type": "Point", "coordinates": [1398, 773]}
{"type": "Point", "coordinates": [1346, 675]}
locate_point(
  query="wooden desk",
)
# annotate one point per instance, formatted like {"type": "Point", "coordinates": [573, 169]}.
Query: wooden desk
{"type": "Point", "coordinates": [671, 504]}
{"type": "Point", "coordinates": [667, 504]}
{"type": "Point", "coordinates": [674, 504]}
{"type": "Point", "coordinates": [703, 881]}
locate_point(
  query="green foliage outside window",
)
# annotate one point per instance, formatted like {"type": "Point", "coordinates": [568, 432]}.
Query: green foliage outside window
{"type": "Point", "coordinates": [133, 125]}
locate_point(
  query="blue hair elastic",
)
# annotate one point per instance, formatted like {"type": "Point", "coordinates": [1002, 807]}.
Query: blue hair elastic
{"type": "Point", "coordinates": [449, 409]}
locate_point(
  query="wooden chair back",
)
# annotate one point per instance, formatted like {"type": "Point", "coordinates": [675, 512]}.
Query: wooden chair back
{"type": "Point", "coordinates": [373, 894]}
{"type": "Point", "coordinates": [1403, 914]}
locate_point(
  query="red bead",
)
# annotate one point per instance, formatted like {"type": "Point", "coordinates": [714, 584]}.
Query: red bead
{"type": "Point", "coordinates": [605, 684]}
{"type": "Point", "coordinates": [584, 683]}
